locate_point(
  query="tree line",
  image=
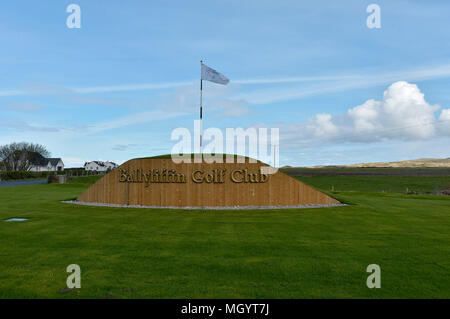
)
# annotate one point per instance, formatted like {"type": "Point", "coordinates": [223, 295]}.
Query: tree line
{"type": "Point", "coordinates": [20, 156]}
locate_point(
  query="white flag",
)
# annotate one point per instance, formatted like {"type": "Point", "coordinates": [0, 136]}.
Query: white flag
{"type": "Point", "coordinates": [212, 75]}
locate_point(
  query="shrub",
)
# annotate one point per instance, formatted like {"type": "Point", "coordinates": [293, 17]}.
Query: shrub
{"type": "Point", "coordinates": [12, 175]}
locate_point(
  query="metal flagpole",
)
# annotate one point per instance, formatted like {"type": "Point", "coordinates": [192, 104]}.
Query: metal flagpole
{"type": "Point", "coordinates": [201, 110]}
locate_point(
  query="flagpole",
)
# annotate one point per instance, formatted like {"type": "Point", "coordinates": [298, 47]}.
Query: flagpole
{"type": "Point", "coordinates": [201, 109]}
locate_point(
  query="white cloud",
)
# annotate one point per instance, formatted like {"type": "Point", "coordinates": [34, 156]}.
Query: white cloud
{"type": "Point", "coordinates": [321, 125]}
{"type": "Point", "coordinates": [142, 117]}
{"type": "Point", "coordinates": [296, 79]}
{"type": "Point", "coordinates": [365, 116]}
{"type": "Point", "coordinates": [329, 83]}
{"type": "Point", "coordinates": [444, 121]}
{"type": "Point", "coordinates": [215, 100]}
{"type": "Point", "coordinates": [136, 118]}
{"type": "Point", "coordinates": [131, 87]}
{"type": "Point", "coordinates": [402, 114]}
{"type": "Point", "coordinates": [332, 84]}
{"type": "Point", "coordinates": [22, 107]}
{"type": "Point", "coordinates": [18, 125]}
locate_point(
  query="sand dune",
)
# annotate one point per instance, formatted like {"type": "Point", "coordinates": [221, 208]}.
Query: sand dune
{"type": "Point", "coordinates": [421, 162]}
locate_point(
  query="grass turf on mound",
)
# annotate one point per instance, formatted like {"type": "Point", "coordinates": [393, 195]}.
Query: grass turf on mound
{"type": "Point", "coordinates": [160, 253]}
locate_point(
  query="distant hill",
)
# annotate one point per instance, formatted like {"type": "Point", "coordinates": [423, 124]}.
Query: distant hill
{"type": "Point", "coordinates": [421, 162]}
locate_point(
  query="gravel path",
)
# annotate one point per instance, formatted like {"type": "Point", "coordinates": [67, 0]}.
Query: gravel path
{"type": "Point", "coordinates": [205, 208]}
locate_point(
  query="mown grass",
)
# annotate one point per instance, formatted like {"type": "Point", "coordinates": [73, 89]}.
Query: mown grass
{"type": "Point", "coordinates": [389, 184]}
{"type": "Point", "coordinates": [84, 179]}
{"type": "Point", "coordinates": [386, 171]}
{"type": "Point", "coordinates": [159, 253]}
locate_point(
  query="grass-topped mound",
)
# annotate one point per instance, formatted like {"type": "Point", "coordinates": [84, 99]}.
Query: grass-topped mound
{"type": "Point", "coordinates": [224, 157]}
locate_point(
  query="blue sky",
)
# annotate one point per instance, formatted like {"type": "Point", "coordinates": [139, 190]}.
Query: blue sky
{"type": "Point", "coordinates": [116, 88]}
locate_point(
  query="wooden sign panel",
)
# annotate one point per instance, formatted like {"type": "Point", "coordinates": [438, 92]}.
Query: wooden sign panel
{"type": "Point", "coordinates": [162, 183]}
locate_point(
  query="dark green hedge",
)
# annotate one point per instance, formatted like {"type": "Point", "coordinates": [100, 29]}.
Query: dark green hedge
{"type": "Point", "coordinates": [5, 176]}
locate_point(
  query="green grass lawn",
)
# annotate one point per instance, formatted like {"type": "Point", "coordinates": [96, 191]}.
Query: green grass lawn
{"type": "Point", "coordinates": [84, 179]}
{"type": "Point", "coordinates": [160, 253]}
{"type": "Point", "coordinates": [389, 184]}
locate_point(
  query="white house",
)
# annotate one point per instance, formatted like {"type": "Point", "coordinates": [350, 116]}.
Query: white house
{"type": "Point", "coordinates": [99, 166]}
{"type": "Point", "coordinates": [43, 164]}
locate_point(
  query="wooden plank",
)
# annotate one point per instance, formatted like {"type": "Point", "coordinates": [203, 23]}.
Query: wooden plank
{"type": "Point", "coordinates": [139, 189]}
